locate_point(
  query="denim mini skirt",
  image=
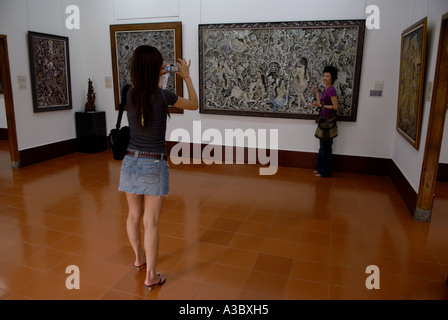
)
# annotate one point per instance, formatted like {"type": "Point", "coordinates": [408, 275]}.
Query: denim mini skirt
{"type": "Point", "coordinates": [144, 176]}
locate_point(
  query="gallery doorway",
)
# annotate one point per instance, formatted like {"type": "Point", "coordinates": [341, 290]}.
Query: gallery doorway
{"type": "Point", "coordinates": [5, 75]}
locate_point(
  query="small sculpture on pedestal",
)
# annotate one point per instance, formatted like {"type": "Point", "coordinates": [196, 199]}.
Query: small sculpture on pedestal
{"type": "Point", "coordinates": [90, 105]}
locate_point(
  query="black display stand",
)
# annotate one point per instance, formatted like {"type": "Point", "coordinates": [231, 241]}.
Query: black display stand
{"type": "Point", "coordinates": [91, 131]}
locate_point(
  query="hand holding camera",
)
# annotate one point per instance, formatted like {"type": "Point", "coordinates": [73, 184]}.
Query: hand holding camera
{"type": "Point", "coordinates": [181, 68]}
{"type": "Point", "coordinates": [184, 68]}
{"type": "Point", "coordinates": [171, 68]}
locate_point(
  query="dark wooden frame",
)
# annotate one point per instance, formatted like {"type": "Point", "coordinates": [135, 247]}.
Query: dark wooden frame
{"type": "Point", "coordinates": [410, 99]}
{"type": "Point", "coordinates": [1, 82]}
{"type": "Point", "coordinates": [219, 103]}
{"type": "Point", "coordinates": [9, 102]}
{"type": "Point", "coordinates": [145, 27]}
{"type": "Point", "coordinates": [61, 77]}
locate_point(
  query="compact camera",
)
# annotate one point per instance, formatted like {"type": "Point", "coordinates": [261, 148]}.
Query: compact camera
{"type": "Point", "coordinates": [172, 68]}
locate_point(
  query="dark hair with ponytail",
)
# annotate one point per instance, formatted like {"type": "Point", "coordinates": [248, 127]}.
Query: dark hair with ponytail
{"type": "Point", "coordinates": [146, 64]}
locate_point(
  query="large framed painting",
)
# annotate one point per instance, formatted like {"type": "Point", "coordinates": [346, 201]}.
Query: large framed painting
{"type": "Point", "coordinates": [412, 77]}
{"type": "Point", "coordinates": [50, 72]}
{"type": "Point", "coordinates": [125, 38]}
{"type": "Point", "coordinates": [269, 69]}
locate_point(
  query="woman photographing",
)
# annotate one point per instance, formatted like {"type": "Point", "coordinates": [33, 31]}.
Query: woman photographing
{"type": "Point", "coordinates": [144, 171]}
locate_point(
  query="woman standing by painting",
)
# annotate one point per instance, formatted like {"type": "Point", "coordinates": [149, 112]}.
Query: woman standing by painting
{"type": "Point", "coordinates": [329, 106]}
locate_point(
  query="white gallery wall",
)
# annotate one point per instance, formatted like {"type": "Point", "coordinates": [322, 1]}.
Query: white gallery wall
{"type": "Point", "coordinates": [408, 159]}
{"type": "Point", "coordinates": [372, 135]}
{"type": "Point", "coordinates": [47, 16]}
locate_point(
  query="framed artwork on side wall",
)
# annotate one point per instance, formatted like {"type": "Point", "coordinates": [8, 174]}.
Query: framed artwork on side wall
{"type": "Point", "coordinates": [412, 77]}
{"type": "Point", "coordinates": [50, 72]}
{"type": "Point", "coordinates": [125, 38]}
{"type": "Point", "coordinates": [269, 69]}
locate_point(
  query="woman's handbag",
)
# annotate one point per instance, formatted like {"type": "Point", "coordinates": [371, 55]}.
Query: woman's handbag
{"type": "Point", "coordinates": [119, 137]}
{"type": "Point", "coordinates": [326, 128]}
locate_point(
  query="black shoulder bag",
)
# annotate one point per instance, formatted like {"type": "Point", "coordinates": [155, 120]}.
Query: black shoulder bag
{"type": "Point", "coordinates": [119, 137]}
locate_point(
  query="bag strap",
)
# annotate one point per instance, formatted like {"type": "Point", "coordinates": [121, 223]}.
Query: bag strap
{"type": "Point", "coordinates": [124, 92]}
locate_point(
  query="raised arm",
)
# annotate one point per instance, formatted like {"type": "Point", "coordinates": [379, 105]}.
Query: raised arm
{"type": "Point", "coordinates": [317, 102]}
{"type": "Point", "coordinates": [184, 72]}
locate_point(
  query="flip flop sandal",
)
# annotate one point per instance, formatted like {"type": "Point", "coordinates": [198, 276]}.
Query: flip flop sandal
{"type": "Point", "coordinates": [140, 267]}
{"type": "Point", "coordinates": [156, 284]}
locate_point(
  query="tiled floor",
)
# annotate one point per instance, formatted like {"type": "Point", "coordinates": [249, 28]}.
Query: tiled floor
{"type": "Point", "coordinates": [226, 233]}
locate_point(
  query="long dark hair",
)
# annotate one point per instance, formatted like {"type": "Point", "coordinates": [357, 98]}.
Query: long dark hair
{"type": "Point", "coordinates": [145, 72]}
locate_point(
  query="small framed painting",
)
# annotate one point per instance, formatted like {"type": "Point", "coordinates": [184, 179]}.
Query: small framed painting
{"type": "Point", "coordinates": [125, 38]}
{"type": "Point", "coordinates": [50, 72]}
{"type": "Point", "coordinates": [411, 86]}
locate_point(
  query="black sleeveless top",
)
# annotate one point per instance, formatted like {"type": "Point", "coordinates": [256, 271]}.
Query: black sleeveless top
{"type": "Point", "coordinates": [152, 137]}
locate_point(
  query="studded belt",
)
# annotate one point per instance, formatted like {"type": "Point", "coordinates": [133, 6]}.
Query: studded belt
{"type": "Point", "coordinates": [148, 155]}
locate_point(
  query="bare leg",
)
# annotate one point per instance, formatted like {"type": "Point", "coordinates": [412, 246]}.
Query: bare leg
{"type": "Point", "coordinates": [136, 209]}
{"type": "Point", "coordinates": [153, 209]}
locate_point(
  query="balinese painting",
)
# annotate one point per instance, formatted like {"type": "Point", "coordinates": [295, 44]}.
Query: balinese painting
{"type": "Point", "coordinates": [412, 72]}
{"type": "Point", "coordinates": [126, 38]}
{"type": "Point", "coordinates": [269, 69]}
{"type": "Point", "coordinates": [50, 72]}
